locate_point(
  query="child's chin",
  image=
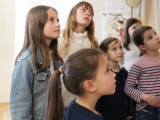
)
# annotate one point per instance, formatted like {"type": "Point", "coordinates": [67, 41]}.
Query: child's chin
{"type": "Point", "coordinates": [112, 92]}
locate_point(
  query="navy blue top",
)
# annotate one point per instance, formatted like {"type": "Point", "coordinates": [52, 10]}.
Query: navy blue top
{"type": "Point", "coordinates": [114, 107]}
{"type": "Point", "coordinates": [77, 112]}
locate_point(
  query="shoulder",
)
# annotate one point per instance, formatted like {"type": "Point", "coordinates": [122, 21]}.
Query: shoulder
{"type": "Point", "coordinates": [139, 61]}
{"type": "Point", "coordinates": [123, 72]}
{"type": "Point", "coordinates": [78, 112]}
{"type": "Point", "coordinates": [139, 64]}
{"type": "Point", "coordinates": [24, 64]}
{"type": "Point", "coordinates": [121, 75]}
{"type": "Point", "coordinates": [123, 69]}
{"type": "Point", "coordinates": [25, 59]}
{"type": "Point", "coordinates": [25, 56]}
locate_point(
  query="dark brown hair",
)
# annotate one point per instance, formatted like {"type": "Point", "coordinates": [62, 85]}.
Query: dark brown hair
{"type": "Point", "coordinates": [79, 67]}
{"type": "Point", "coordinates": [138, 35]}
{"type": "Point", "coordinates": [34, 36]}
{"type": "Point", "coordinates": [127, 39]}
{"type": "Point", "coordinates": [105, 43]}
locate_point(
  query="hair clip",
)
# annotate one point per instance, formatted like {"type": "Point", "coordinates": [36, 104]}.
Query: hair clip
{"type": "Point", "coordinates": [60, 69]}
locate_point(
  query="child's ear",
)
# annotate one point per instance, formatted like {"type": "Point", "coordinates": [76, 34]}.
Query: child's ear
{"type": "Point", "coordinates": [89, 86]}
{"type": "Point", "coordinates": [143, 47]}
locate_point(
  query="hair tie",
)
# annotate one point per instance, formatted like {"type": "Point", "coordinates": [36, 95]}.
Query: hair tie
{"type": "Point", "coordinates": [60, 69]}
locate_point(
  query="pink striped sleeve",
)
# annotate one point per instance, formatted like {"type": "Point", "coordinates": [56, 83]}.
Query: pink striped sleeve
{"type": "Point", "coordinates": [130, 85]}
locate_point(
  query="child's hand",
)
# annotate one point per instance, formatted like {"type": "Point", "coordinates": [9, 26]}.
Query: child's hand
{"type": "Point", "coordinates": [152, 100]}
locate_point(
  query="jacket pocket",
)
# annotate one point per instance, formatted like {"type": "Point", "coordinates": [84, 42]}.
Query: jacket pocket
{"type": "Point", "coordinates": [41, 82]}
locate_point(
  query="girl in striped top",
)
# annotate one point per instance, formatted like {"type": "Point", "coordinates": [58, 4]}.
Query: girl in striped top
{"type": "Point", "coordinates": [146, 73]}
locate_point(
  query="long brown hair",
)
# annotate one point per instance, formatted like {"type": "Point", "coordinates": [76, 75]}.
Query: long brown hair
{"type": "Point", "coordinates": [79, 67]}
{"type": "Point", "coordinates": [34, 36]}
{"type": "Point", "coordinates": [71, 23]}
{"type": "Point", "coordinates": [127, 38]}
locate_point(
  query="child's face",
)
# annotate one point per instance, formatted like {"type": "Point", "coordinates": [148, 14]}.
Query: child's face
{"type": "Point", "coordinates": [133, 27]}
{"type": "Point", "coordinates": [115, 52]}
{"type": "Point", "coordinates": [105, 79]}
{"type": "Point", "coordinates": [83, 16]}
{"type": "Point", "coordinates": [151, 40]}
{"type": "Point", "coordinates": [52, 27]}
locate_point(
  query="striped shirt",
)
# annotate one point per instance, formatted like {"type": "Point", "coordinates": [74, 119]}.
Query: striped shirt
{"type": "Point", "coordinates": [145, 72]}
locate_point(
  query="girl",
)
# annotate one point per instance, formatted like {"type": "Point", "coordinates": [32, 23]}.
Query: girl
{"type": "Point", "coordinates": [118, 102]}
{"type": "Point", "coordinates": [34, 64]}
{"type": "Point", "coordinates": [86, 73]}
{"type": "Point", "coordinates": [79, 33]}
{"type": "Point", "coordinates": [131, 51]}
{"type": "Point", "coordinates": [146, 71]}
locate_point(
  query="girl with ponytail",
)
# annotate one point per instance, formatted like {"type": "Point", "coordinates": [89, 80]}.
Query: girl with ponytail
{"type": "Point", "coordinates": [86, 74]}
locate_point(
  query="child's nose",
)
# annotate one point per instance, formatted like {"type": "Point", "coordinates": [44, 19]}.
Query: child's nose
{"type": "Point", "coordinates": [158, 37]}
{"type": "Point", "coordinates": [120, 51]}
{"type": "Point", "coordinates": [58, 24]}
{"type": "Point", "coordinates": [88, 13]}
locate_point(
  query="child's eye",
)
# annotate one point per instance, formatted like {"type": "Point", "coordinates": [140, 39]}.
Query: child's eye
{"type": "Point", "coordinates": [91, 13]}
{"type": "Point", "coordinates": [155, 33]}
{"type": "Point", "coordinates": [83, 9]}
{"type": "Point", "coordinates": [134, 27]}
{"type": "Point", "coordinates": [51, 20]}
{"type": "Point", "coordinates": [150, 37]}
{"type": "Point", "coordinates": [114, 49]}
{"type": "Point", "coordinates": [108, 70]}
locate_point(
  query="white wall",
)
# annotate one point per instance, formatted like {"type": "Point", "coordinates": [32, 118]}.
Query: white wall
{"type": "Point", "coordinates": [151, 17]}
{"type": "Point", "coordinates": [7, 24]}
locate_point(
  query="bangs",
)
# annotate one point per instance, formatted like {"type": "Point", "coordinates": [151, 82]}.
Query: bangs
{"type": "Point", "coordinates": [88, 7]}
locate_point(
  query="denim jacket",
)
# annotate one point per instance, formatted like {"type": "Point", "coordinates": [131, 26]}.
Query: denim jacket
{"type": "Point", "coordinates": [29, 88]}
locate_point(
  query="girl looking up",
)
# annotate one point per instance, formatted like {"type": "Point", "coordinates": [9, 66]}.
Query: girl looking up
{"type": "Point", "coordinates": [131, 51]}
{"type": "Point", "coordinates": [118, 102]}
{"type": "Point", "coordinates": [79, 33]}
{"type": "Point", "coordinates": [34, 65]}
{"type": "Point", "coordinates": [145, 72]}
